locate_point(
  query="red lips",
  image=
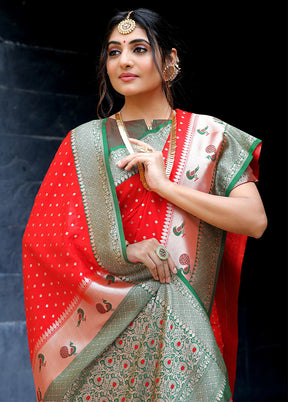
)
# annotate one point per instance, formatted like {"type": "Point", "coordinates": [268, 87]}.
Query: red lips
{"type": "Point", "coordinates": [127, 76]}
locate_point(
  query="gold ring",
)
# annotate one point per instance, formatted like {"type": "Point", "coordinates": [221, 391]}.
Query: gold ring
{"type": "Point", "coordinates": [141, 148]}
{"type": "Point", "coordinates": [162, 253]}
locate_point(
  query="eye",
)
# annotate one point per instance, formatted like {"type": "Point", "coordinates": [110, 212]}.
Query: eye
{"type": "Point", "coordinates": [113, 52]}
{"type": "Point", "coordinates": [140, 49]}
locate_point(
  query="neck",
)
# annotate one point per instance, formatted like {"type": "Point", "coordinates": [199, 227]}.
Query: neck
{"type": "Point", "coordinates": [147, 108]}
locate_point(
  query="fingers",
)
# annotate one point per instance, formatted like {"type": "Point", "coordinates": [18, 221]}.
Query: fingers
{"type": "Point", "coordinates": [132, 160]}
{"type": "Point", "coordinates": [166, 273]}
{"type": "Point", "coordinates": [160, 269]}
{"type": "Point", "coordinates": [145, 252]}
{"type": "Point", "coordinates": [142, 156]}
{"type": "Point", "coordinates": [152, 266]}
{"type": "Point", "coordinates": [171, 265]}
{"type": "Point", "coordinates": [141, 144]}
{"type": "Point", "coordinates": [156, 267]}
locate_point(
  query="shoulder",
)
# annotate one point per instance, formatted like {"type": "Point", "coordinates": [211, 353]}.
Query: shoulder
{"type": "Point", "coordinates": [203, 123]}
{"type": "Point", "coordinates": [88, 126]}
{"type": "Point", "coordinates": [218, 131]}
{"type": "Point", "coordinates": [210, 123]}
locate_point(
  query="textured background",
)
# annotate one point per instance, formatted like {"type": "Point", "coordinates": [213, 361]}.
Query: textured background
{"type": "Point", "coordinates": [234, 69]}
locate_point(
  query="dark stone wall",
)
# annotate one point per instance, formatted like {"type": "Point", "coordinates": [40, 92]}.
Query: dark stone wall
{"type": "Point", "coordinates": [45, 90]}
{"type": "Point", "coordinates": [233, 69]}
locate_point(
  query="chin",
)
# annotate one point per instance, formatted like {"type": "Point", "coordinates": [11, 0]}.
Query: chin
{"type": "Point", "coordinates": [134, 91]}
{"type": "Point", "coordinates": [128, 91]}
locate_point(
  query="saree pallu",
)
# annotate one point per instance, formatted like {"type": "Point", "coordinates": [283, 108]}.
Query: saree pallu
{"type": "Point", "coordinates": [100, 328]}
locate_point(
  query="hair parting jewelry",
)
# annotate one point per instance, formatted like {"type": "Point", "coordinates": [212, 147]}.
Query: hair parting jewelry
{"type": "Point", "coordinates": [161, 37]}
{"type": "Point", "coordinates": [126, 26]}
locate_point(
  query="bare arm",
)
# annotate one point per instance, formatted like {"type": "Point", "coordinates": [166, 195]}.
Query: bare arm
{"type": "Point", "coordinates": [242, 212]}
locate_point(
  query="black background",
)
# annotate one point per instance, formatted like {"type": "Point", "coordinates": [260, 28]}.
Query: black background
{"type": "Point", "coordinates": [234, 68]}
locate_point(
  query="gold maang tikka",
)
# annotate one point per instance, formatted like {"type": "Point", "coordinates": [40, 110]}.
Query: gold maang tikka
{"type": "Point", "coordinates": [126, 26]}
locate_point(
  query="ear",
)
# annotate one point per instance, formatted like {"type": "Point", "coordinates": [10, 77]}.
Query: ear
{"type": "Point", "coordinates": [172, 58]}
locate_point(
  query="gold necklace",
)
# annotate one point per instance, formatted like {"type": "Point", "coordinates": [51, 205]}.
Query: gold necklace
{"type": "Point", "coordinates": [171, 152]}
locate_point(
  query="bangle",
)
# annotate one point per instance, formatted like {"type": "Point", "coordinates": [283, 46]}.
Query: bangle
{"type": "Point", "coordinates": [127, 243]}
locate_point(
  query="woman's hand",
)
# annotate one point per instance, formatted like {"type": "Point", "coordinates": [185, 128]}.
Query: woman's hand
{"type": "Point", "coordinates": [153, 164]}
{"type": "Point", "coordinates": [145, 252]}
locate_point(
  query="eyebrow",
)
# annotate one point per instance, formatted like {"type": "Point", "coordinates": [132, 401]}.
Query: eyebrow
{"type": "Point", "coordinates": [114, 42]}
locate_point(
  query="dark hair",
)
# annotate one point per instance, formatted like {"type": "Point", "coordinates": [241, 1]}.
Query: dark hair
{"type": "Point", "coordinates": [160, 35]}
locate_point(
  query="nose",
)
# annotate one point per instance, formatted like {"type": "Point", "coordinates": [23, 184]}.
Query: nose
{"type": "Point", "coordinates": [126, 59]}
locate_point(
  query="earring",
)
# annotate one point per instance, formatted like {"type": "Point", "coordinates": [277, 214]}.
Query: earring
{"type": "Point", "coordinates": [171, 71]}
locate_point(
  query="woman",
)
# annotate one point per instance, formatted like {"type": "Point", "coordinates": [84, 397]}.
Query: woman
{"type": "Point", "coordinates": [123, 248]}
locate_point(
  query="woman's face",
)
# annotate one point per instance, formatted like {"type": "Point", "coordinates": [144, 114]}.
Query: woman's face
{"type": "Point", "coordinates": [130, 64]}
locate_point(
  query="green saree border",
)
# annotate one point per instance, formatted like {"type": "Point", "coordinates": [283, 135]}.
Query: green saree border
{"type": "Point", "coordinates": [90, 150]}
{"type": "Point", "coordinates": [113, 191]}
{"type": "Point", "coordinates": [222, 249]}
{"type": "Point", "coordinates": [191, 289]}
{"type": "Point", "coordinates": [244, 166]}
{"type": "Point", "coordinates": [111, 180]}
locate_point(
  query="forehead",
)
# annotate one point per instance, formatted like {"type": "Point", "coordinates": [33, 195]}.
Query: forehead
{"type": "Point", "coordinates": [138, 33]}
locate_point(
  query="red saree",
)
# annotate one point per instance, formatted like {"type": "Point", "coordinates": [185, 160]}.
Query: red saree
{"type": "Point", "coordinates": [99, 327]}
